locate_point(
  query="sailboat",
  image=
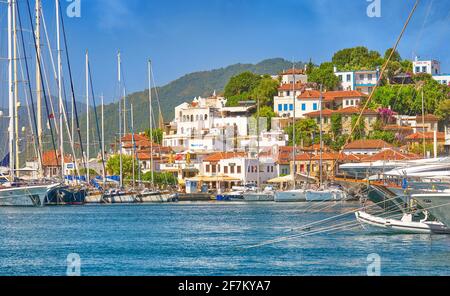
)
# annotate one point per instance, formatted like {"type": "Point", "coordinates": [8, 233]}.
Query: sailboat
{"type": "Point", "coordinates": [294, 195]}
{"type": "Point", "coordinates": [323, 193]}
{"type": "Point", "coordinates": [259, 195]}
{"type": "Point", "coordinates": [14, 193]}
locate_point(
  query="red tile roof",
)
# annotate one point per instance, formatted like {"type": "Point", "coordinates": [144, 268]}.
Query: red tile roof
{"type": "Point", "coordinates": [309, 94]}
{"type": "Point", "coordinates": [137, 137]}
{"type": "Point", "coordinates": [50, 158]}
{"type": "Point", "coordinates": [304, 157]}
{"type": "Point", "coordinates": [390, 154]}
{"type": "Point", "coordinates": [215, 157]}
{"type": "Point", "coordinates": [293, 71]}
{"type": "Point", "coordinates": [291, 86]}
{"type": "Point", "coordinates": [368, 144]}
{"type": "Point", "coordinates": [344, 111]}
{"type": "Point", "coordinates": [344, 94]}
{"type": "Point", "coordinates": [428, 118]}
{"type": "Point", "coordinates": [428, 136]}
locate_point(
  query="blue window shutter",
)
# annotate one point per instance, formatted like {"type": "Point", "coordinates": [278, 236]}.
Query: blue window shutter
{"type": "Point", "coordinates": [280, 107]}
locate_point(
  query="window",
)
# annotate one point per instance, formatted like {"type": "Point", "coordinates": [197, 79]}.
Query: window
{"type": "Point", "coordinates": [370, 76]}
{"type": "Point", "coordinates": [285, 107]}
{"type": "Point", "coordinates": [291, 107]}
{"type": "Point", "coordinates": [361, 76]}
{"type": "Point", "coordinates": [340, 78]}
{"type": "Point", "coordinates": [417, 69]}
{"type": "Point", "coordinates": [288, 93]}
{"type": "Point", "coordinates": [315, 106]}
{"type": "Point", "coordinates": [352, 103]}
{"type": "Point", "coordinates": [280, 107]}
{"type": "Point", "coordinates": [303, 107]}
{"type": "Point", "coordinates": [238, 169]}
{"type": "Point", "coordinates": [206, 116]}
{"type": "Point", "coordinates": [424, 69]}
{"type": "Point", "coordinates": [207, 169]}
{"type": "Point", "coordinates": [349, 77]}
{"type": "Point", "coordinates": [231, 169]}
{"type": "Point", "coordinates": [225, 170]}
{"type": "Point", "coordinates": [213, 168]}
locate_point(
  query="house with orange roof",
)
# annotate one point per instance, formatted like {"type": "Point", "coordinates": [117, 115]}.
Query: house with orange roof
{"type": "Point", "coordinates": [419, 123]}
{"type": "Point", "coordinates": [290, 75]}
{"type": "Point", "coordinates": [416, 141]}
{"type": "Point", "coordinates": [369, 117]}
{"type": "Point", "coordinates": [366, 147]}
{"type": "Point", "coordinates": [51, 164]}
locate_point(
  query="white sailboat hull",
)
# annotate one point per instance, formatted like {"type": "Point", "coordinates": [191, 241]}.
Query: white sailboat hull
{"type": "Point", "coordinates": [29, 196]}
{"type": "Point", "coordinates": [325, 195]}
{"type": "Point", "coordinates": [438, 204]}
{"type": "Point", "coordinates": [291, 196]}
{"type": "Point", "coordinates": [399, 226]}
{"type": "Point", "coordinates": [259, 197]}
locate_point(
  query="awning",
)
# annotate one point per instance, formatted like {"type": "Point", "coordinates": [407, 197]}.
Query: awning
{"type": "Point", "coordinates": [221, 178]}
{"type": "Point", "coordinates": [289, 179]}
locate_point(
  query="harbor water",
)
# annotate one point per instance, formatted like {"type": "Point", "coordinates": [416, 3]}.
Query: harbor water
{"type": "Point", "coordinates": [204, 239]}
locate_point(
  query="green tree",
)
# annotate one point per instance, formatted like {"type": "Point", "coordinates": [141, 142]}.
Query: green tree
{"type": "Point", "coordinates": [113, 166]}
{"type": "Point", "coordinates": [305, 131]}
{"type": "Point", "coordinates": [358, 127]}
{"type": "Point", "coordinates": [160, 178]}
{"type": "Point", "coordinates": [356, 58]}
{"type": "Point", "coordinates": [336, 125]}
{"type": "Point", "coordinates": [157, 134]}
{"type": "Point", "coordinates": [443, 110]}
{"type": "Point", "coordinates": [325, 76]}
{"type": "Point", "coordinates": [265, 90]}
{"type": "Point", "coordinates": [395, 57]}
{"type": "Point", "coordinates": [309, 67]}
{"type": "Point", "coordinates": [386, 136]}
{"type": "Point", "coordinates": [242, 84]}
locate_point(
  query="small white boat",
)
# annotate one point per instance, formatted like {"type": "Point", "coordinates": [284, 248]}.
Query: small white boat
{"type": "Point", "coordinates": [298, 195]}
{"type": "Point", "coordinates": [325, 195]}
{"type": "Point", "coordinates": [405, 225]}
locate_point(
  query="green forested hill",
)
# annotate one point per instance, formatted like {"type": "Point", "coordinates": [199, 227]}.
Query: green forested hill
{"type": "Point", "coordinates": [183, 89]}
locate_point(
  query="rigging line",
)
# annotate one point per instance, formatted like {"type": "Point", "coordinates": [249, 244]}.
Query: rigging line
{"type": "Point", "coordinates": [157, 95]}
{"type": "Point", "coordinates": [394, 49]}
{"type": "Point", "coordinates": [41, 76]}
{"type": "Point", "coordinates": [419, 36]}
{"type": "Point", "coordinates": [340, 215]}
{"type": "Point", "coordinates": [37, 140]}
{"type": "Point", "coordinates": [30, 120]}
{"type": "Point", "coordinates": [72, 85]}
{"type": "Point", "coordinates": [96, 115]}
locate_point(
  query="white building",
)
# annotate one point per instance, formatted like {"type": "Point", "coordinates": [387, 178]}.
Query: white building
{"type": "Point", "coordinates": [442, 79]}
{"type": "Point", "coordinates": [363, 81]}
{"type": "Point", "coordinates": [207, 125]}
{"type": "Point", "coordinates": [432, 67]}
{"type": "Point", "coordinates": [294, 75]}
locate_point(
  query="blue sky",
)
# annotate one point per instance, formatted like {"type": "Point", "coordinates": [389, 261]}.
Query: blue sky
{"type": "Point", "coordinates": [185, 36]}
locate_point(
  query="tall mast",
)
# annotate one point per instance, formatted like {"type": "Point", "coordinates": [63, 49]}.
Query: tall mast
{"type": "Point", "coordinates": [320, 137]}
{"type": "Point", "coordinates": [294, 136]}
{"type": "Point", "coordinates": [134, 144]}
{"type": "Point", "coordinates": [16, 89]}
{"type": "Point", "coordinates": [423, 127]}
{"type": "Point", "coordinates": [60, 95]}
{"type": "Point", "coordinates": [103, 139]}
{"type": "Point", "coordinates": [11, 92]}
{"type": "Point", "coordinates": [87, 117]}
{"type": "Point", "coordinates": [120, 117]}
{"type": "Point", "coordinates": [151, 119]}
{"type": "Point", "coordinates": [257, 145]}
{"type": "Point", "coordinates": [38, 71]}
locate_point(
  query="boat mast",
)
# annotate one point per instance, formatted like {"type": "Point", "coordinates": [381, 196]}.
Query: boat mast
{"type": "Point", "coordinates": [294, 140]}
{"type": "Point", "coordinates": [321, 138]}
{"type": "Point", "coordinates": [60, 95]}
{"type": "Point", "coordinates": [120, 118]}
{"type": "Point", "coordinates": [11, 93]}
{"type": "Point", "coordinates": [134, 145]}
{"type": "Point", "coordinates": [257, 146]}
{"type": "Point", "coordinates": [103, 139]}
{"type": "Point", "coordinates": [16, 90]}
{"type": "Point", "coordinates": [38, 71]}
{"type": "Point", "coordinates": [423, 127]}
{"type": "Point", "coordinates": [151, 121]}
{"type": "Point", "coordinates": [87, 118]}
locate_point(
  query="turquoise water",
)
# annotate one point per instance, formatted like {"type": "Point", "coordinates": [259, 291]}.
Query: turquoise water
{"type": "Point", "coordinates": [203, 239]}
